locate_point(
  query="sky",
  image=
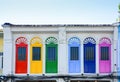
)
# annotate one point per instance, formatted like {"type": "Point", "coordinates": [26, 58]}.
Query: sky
{"type": "Point", "coordinates": [58, 11]}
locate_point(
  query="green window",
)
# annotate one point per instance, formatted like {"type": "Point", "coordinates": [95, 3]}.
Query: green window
{"type": "Point", "coordinates": [51, 54]}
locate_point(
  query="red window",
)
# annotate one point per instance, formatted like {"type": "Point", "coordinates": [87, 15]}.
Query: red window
{"type": "Point", "coordinates": [21, 55]}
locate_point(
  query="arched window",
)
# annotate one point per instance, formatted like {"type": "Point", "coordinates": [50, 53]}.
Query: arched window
{"type": "Point", "coordinates": [21, 55]}
{"type": "Point", "coordinates": [89, 55]}
{"type": "Point", "coordinates": [105, 55]}
{"type": "Point", "coordinates": [51, 55]}
{"type": "Point", "coordinates": [74, 55]}
{"type": "Point", "coordinates": [36, 55]}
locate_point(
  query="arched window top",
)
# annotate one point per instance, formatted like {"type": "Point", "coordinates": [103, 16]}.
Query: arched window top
{"type": "Point", "coordinates": [89, 40]}
{"type": "Point", "coordinates": [36, 40]}
{"type": "Point", "coordinates": [74, 40]}
{"type": "Point", "coordinates": [21, 40]}
{"type": "Point", "coordinates": [51, 40]}
{"type": "Point", "coordinates": [105, 40]}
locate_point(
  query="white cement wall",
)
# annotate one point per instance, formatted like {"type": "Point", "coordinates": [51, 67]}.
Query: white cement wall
{"type": "Point", "coordinates": [63, 34]}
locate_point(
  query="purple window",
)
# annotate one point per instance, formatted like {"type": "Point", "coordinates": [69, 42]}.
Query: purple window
{"type": "Point", "coordinates": [105, 55]}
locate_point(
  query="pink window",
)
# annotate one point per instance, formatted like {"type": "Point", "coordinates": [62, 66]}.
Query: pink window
{"type": "Point", "coordinates": [105, 55]}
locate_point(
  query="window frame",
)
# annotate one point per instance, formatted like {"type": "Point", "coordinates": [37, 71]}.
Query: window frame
{"type": "Point", "coordinates": [18, 57]}
{"type": "Point", "coordinates": [55, 56]}
{"type": "Point", "coordinates": [21, 66]}
{"type": "Point", "coordinates": [105, 42]}
{"type": "Point", "coordinates": [88, 55]}
{"type": "Point", "coordinates": [76, 55]}
{"type": "Point", "coordinates": [51, 66]}
{"type": "Point", "coordinates": [89, 65]}
{"type": "Point", "coordinates": [39, 55]}
{"type": "Point", "coordinates": [107, 56]}
{"type": "Point", "coordinates": [74, 42]}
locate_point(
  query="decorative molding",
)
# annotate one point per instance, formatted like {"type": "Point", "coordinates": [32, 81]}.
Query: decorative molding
{"type": "Point", "coordinates": [74, 39]}
{"type": "Point", "coordinates": [21, 40]}
{"type": "Point", "coordinates": [105, 40]}
{"type": "Point", "coordinates": [89, 39]}
{"type": "Point", "coordinates": [50, 40]}
{"type": "Point", "coordinates": [36, 40]}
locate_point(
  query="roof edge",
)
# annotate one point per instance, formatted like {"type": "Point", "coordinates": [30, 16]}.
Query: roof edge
{"type": "Point", "coordinates": [53, 25]}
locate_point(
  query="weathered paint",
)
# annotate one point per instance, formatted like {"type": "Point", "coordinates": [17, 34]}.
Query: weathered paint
{"type": "Point", "coordinates": [74, 65]}
{"type": "Point", "coordinates": [51, 66]}
{"type": "Point", "coordinates": [105, 65]}
{"type": "Point", "coordinates": [89, 65]}
{"type": "Point", "coordinates": [20, 65]}
{"type": "Point", "coordinates": [36, 65]}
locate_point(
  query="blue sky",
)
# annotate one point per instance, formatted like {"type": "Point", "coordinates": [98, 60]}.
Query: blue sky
{"type": "Point", "coordinates": [59, 11]}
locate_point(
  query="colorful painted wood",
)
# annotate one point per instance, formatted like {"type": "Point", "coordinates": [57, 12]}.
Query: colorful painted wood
{"type": "Point", "coordinates": [51, 65]}
{"type": "Point", "coordinates": [74, 62]}
{"type": "Point", "coordinates": [89, 55]}
{"type": "Point", "coordinates": [21, 55]}
{"type": "Point", "coordinates": [105, 55]}
{"type": "Point", "coordinates": [36, 56]}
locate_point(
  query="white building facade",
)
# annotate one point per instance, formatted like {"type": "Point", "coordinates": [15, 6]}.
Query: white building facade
{"type": "Point", "coordinates": [60, 53]}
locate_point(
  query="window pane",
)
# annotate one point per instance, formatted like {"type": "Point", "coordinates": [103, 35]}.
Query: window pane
{"type": "Point", "coordinates": [89, 53]}
{"type": "Point", "coordinates": [104, 53]}
{"type": "Point", "coordinates": [36, 53]}
{"type": "Point", "coordinates": [74, 53]}
{"type": "Point", "coordinates": [21, 53]}
{"type": "Point", "coordinates": [51, 54]}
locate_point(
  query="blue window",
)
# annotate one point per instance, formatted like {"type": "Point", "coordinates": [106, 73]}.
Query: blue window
{"type": "Point", "coordinates": [51, 53]}
{"type": "Point", "coordinates": [36, 53]}
{"type": "Point", "coordinates": [21, 53]}
{"type": "Point", "coordinates": [89, 53]}
{"type": "Point", "coordinates": [74, 65]}
{"type": "Point", "coordinates": [74, 53]}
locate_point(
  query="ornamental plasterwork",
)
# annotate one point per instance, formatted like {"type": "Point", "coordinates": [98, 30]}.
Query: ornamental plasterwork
{"type": "Point", "coordinates": [51, 40]}
{"type": "Point", "coordinates": [36, 40]}
{"type": "Point", "coordinates": [74, 39]}
{"type": "Point", "coordinates": [106, 40]}
{"type": "Point", "coordinates": [89, 39]}
{"type": "Point", "coordinates": [21, 40]}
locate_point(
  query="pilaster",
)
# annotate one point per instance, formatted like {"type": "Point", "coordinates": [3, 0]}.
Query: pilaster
{"type": "Point", "coordinates": [115, 39]}
{"type": "Point", "coordinates": [63, 57]}
{"type": "Point", "coordinates": [8, 55]}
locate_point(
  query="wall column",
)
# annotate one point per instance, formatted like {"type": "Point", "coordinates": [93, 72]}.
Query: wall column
{"type": "Point", "coordinates": [115, 39]}
{"type": "Point", "coordinates": [28, 62]}
{"type": "Point", "coordinates": [62, 54]}
{"type": "Point", "coordinates": [82, 58]}
{"type": "Point", "coordinates": [8, 55]}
